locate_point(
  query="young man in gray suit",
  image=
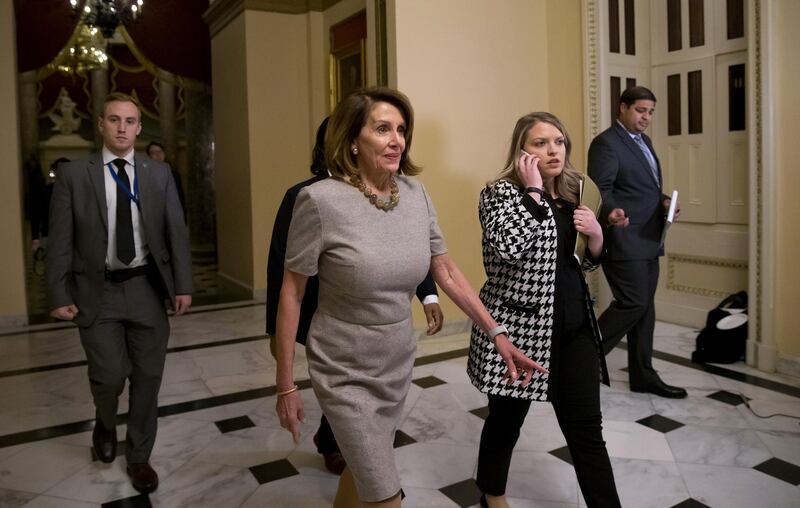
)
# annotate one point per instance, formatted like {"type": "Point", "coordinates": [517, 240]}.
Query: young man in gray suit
{"type": "Point", "coordinates": [119, 250]}
{"type": "Point", "coordinates": [624, 165]}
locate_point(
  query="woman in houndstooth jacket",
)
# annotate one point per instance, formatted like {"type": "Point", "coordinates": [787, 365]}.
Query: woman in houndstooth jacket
{"type": "Point", "coordinates": [535, 287]}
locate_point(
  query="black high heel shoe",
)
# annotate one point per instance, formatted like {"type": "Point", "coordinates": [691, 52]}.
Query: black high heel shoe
{"type": "Point", "coordinates": [483, 502]}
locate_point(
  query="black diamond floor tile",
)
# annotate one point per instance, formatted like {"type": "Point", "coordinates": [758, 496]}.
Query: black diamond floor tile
{"type": "Point", "coordinates": [481, 412]}
{"type": "Point", "coordinates": [660, 423]}
{"type": "Point", "coordinates": [272, 471]}
{"type": "Point", "coordinates": [120, 451]}
{"type": "Point", "coordinates": [402, 439]}
{"type": "Point", "coordinates": [464, 493]}
{"type": "Point", "coordinates": [781, 470]}
{"type": "Point", "coordinates": [233, 424]}
{"type": "Point", "coordinates": [428, 382]}
{"type": "Point", "coordinates": [562, 453]}
{"type": "Point", "coordinates": [691, 503]}
{"type": "Point", "coordinates": [727, 397]}
{"type": "Point", "coordinates": [140, 501]}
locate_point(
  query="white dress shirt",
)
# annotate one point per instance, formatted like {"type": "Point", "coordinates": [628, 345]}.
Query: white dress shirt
{"type": "Point", "coordinates": [112, 262]}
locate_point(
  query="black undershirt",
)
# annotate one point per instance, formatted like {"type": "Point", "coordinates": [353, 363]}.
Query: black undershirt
{"type": "Point", "coordinates": [570, 311]}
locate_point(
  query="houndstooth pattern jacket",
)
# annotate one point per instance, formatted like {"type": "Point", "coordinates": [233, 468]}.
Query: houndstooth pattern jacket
{"type": "Point", "coordinates": [519, 256]}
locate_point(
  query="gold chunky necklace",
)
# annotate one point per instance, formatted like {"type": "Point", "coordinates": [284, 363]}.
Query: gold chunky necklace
{"type": "Point", "coordinates": [373, 198]}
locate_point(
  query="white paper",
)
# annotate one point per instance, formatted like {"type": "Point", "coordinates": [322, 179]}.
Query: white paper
{"type": "Point", "coordinates": [670, 218]}
{"type": "Point", "coordinates": [672, 205]}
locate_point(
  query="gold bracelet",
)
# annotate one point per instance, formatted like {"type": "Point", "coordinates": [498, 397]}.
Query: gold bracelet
{"type": "Point", "coordinates": [287, 392]}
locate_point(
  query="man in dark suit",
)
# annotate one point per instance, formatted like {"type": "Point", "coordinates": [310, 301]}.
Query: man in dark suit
{"type": "Point", "coordinates": [118, 250]}
{"type": "Point", "coordinates": [624, 165]}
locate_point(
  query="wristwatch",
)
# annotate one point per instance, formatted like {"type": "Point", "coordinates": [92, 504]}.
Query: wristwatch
{"type": "Point", "coordinates": [497, 330]}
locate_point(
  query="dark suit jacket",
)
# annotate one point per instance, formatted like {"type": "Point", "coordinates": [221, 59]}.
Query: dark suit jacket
{"type": "Point", "coordinates": [277, 256]}
{"type": "Point", "coordinates": [76, 250]}
{"type": "Point", "coordinates": [622, 173]}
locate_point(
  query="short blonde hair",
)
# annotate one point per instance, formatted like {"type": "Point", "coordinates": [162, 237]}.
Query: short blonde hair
{"type": "Point", "coordinates": [347, 120]}
{"type": "Point", "coordinates": [121, 97]}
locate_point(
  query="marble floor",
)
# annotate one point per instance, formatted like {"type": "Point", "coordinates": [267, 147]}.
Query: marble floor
{"type": "Point", "coordinates": [220, 445]}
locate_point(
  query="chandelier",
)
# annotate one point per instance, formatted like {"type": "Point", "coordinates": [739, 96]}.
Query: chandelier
{"type": "Point", "coordinates": [106, 15]}
{"type": "Point", "coordinates": [84, 52]}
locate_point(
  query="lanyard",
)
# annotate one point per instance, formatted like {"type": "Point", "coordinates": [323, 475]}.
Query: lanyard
{"type": "Point", "coordinates": [134, 196]}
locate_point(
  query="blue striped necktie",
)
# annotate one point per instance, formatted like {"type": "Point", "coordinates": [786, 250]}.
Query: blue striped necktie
{"type": "Point", "coordinates": [647, 155]}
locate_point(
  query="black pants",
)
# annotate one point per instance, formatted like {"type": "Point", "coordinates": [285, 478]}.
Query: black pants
{"type": "Point", "coordinates": [633, 312]}
{"type": "Point", "coordinates": [577, 407]}
{"type": "Point", "coordinates": [326, 442]}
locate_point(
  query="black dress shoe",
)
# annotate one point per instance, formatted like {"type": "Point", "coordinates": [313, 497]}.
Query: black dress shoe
{"type": "Point", "coordinates": [143, 477]}
{"type": "Point", "coordinates": [661, 389]}
{"type": "Point", "coordinates": [104, 442]}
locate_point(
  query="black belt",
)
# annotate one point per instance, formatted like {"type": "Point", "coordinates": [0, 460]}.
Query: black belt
{"type": "Point", "coordinates": [126, 273]}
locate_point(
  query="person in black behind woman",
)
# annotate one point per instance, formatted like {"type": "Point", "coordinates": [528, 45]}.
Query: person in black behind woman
{"type": "Point", "coordinates": [426, 292]}
{"type": "Point", "coordinates": [36, 212]}
{"type": "Point", "coordinates": [535, 287]}
{"type": "Point", "coordinates": [39, 218]}
{"type": "Point", "coordinates": [157, 152]}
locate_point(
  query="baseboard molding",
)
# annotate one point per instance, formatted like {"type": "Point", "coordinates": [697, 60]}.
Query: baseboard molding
{"type": "Point", "coordinates": [788, 365]}
{"type": "Point", "coordinates": [231, 289]}
{"type": "Point", "coordinates": [260, 295]}
{"type": "Point", "coordinates": [681, 314]}
{"type": "Point", "coordinates": [13, 321]}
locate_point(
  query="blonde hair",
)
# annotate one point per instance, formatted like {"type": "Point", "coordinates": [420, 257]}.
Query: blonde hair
{"type": "Point", "coordinates": [121, 97]}
{"type": "Point", "coordinates": [567, 184]}
{"type": "Point", "coordinates": [347, 120]}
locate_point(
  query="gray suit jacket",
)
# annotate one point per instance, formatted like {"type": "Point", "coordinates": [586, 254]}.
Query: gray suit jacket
{"type": "Point", "coordinates": [78, 240]}
{"type": "Point", "coordinates": [622, 173]}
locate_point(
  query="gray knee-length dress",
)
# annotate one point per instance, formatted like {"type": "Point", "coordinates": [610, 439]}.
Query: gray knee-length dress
{"type": "Point", "coordinates": [361, 344]}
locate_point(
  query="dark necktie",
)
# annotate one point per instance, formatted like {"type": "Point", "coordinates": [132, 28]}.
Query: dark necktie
{"type": "Point", "coordinates": [126, 250]}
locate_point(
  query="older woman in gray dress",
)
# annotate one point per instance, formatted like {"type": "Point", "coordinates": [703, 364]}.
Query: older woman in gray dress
{"type": "Point", "coordinates": [370, 234]}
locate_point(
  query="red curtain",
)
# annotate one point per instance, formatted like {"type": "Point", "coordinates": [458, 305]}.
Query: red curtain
{"type": "Point", "coordinates": [171, 34]}
{"type": "Point", "coordinates": [43, 28]}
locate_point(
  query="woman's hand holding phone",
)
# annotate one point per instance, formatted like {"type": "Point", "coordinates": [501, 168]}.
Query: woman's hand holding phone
{"type": "Point", "coordinates": [528, 169]}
